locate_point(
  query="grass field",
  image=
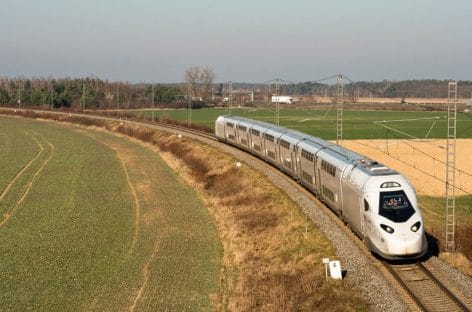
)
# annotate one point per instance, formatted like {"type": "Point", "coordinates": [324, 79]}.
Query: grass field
{"type": "Point", "coordinates": [322, 123]}
{"type": "Point", "coordinates": [89, 221]}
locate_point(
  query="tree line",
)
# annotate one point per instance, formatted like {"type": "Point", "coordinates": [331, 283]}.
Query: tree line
{"type": "Point", "coordinates": [85, 93]}
{"type": "Point", "coordinates": [430, 88]}
{"type": "Point", "coordinates": [198, 86]}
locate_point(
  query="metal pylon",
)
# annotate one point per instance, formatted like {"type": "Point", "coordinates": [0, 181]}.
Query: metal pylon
{"type": "Point", "coordinates": [339, 113]}
{"type": "Point", "coordinates": [451, 166]}
{"type": "Point", "coordinates": [230, 97]}
{"type": "Point", "coordinates": [277, 104]}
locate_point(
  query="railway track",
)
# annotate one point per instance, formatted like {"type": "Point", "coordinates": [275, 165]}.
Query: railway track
{"type": "Point", "coordinates": [420, 286]}
{"type": "Point", "coordinates": [427, 292]}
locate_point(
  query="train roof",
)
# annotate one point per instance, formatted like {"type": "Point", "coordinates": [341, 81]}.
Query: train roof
{"type": "Point", "coordinates": [344, 155]}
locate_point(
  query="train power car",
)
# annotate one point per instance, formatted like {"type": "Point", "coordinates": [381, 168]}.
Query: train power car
{"type": "Point", "coordinates": [378, 203]}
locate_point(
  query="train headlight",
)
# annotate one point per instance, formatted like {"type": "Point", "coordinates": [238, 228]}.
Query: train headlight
{"type": "Point", "coordinates": [387, 228]}
{"type": "Point", "coordinates": [415, 227]}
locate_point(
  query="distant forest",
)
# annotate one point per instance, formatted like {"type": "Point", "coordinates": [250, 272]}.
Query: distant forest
{"type": "Point", "coordinates": [92, 92]}
{"type": "Point", "coordinates": [84, 93]}
{"type": "Point", "coordinates": [385, 88]}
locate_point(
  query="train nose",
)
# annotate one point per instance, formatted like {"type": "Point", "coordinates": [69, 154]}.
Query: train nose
{"type": "Point", "coordinates": [406, 245]}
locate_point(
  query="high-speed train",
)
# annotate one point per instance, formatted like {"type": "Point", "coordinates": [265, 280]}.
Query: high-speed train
{"type": "Point", "coordinates": [378, 203]}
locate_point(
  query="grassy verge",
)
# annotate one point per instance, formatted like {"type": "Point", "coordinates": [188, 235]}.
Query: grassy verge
{"type": "Point", "coordinates": [434, 213]}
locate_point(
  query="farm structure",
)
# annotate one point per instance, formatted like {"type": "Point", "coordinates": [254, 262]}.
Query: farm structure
{"type": "Point", "coordinates": [282, 99]}
{"type": "Point", "coordinates": [377, 202]}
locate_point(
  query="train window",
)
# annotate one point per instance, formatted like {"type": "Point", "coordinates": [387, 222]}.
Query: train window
{"type": "Point", "coordinates": [307, 155]}
{"type": "Point", "coordinates": [366, 205]}
{"type": "Point", "coordinates": [284, 144]}
{"type": "Point", "coordinates": [242, 128]}
{"type": "Point", "coordinates": [327, 193]}
{"type": "Point", "coordinates": [307, 177]}
{"type": "Point", "coordinates": [269, 137]}
{"type": "Point", "coordinates": [390, 184]}
{"type": "Point", "coordinates": [255, 132]}
{"type": "Point", "coordinates": [330, 169]}
{"type": "Point", "coordinates": [395, 206]}
{"type": "Point", "coordinates": [230, 124]}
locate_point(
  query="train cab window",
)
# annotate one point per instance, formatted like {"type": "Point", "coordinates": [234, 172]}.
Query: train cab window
{"type": "Point", "coordinates": [390, 184]}
{"type": "Point", "coordinates": [366, 205]}
{"type": "Point", "coordinates": [395, 206]}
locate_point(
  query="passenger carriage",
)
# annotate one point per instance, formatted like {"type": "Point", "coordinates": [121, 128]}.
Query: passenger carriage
{"type": "Point", "coordinates": [378, 203]}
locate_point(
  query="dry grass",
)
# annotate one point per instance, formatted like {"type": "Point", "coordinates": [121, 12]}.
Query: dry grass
{"type": "Point", "coordinates": [272, 259]}
{"type": "Point", "coordinates": [457, 260]}
{"type": "Point", "coordinates": [462, 258]}
{"type": "Point", "coordinates": [464, 233]}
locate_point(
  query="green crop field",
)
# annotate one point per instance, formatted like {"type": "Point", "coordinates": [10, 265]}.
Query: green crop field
{"type": "Point", "coordinates": [89, 221]}
{"type": "Point", "coordinates": [322, 123]}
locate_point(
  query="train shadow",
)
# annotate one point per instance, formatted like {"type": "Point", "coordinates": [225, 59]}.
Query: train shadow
{"type": "Point", "coordinates": [433, 246]}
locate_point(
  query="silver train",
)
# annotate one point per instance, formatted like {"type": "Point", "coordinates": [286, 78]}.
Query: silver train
{"type": "Point", "coordinates": [378, 203]}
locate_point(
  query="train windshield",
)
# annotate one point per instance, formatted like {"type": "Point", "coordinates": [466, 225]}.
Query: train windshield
{"type": "Point", "coordinates": [395, 206]}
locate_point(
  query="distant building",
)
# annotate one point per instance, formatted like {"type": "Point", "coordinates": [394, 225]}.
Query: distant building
{"type": "Point", "coordinates": [282, 99]}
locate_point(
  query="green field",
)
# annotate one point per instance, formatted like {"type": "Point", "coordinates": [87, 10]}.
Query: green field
{"type": "Point", "coordinates": [322, 123]}
{"type": "Point", "coordinates": [90, 221]}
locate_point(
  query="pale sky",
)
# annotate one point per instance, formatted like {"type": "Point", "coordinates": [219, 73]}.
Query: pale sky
{"type": "Point", "coordinates": [244, 41]}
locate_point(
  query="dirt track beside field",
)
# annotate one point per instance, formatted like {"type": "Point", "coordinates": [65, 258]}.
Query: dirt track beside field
{"type": "Point", "coordinates": [422, 162]}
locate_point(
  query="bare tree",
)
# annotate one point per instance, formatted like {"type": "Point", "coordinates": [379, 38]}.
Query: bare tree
{"type": "Point", "coordinates": [206, 77]}
{"type": "Point", "coordinates": [199, 81]}
{"type": "Point", "coordinates": [192, 76]}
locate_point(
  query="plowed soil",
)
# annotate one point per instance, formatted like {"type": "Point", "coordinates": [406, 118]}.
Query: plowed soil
{"type": "Point", "coordinates": [422, 162]}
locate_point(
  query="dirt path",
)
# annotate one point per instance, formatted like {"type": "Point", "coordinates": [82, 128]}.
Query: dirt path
{"type": "Point", "coordinates": [131, 163]}
{"type": "Point", "coordinates": [137, 204]}
{"type": "Point", "coordinates": [20, 200]}
{"type": "Point", "coordinates": [23, 169]}
{"type": "Point", "coordinates": [422, 162]}
{"type": "Point", "coordinates": [146, 274]}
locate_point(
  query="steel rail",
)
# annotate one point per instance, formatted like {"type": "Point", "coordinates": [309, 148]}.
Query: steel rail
{"type": "Point", "coordinates": [435, 289]}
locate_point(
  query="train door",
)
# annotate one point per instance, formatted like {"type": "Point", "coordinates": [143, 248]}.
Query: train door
{"type": "Point", "coordinates": [293, 156]}
{"type": "Point", "coordinates": [352, 207]}
{"type": "Point", "coordinates": [318, 181]}
{"type": "Point", "coordinates": [367, 219]}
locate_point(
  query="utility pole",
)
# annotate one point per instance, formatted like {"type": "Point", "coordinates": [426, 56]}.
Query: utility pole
{"type": "Point", "coordinates": [51, 97]}
{"type": "Point", "coordinates": [339, 111]}
{"type": "Point", "coordinates": [451, 166]}
{"type": "Point", "coordinates": [152, 97]}
{"type": "Point", "coordinates": [83, 96]}
{"type": "Point", "coordinates": [20, 91]}
{"type": "Point", "coordinates": [189, 121]}
{"type": "Point", "coordinates": [277, 103]}
{"type": "Point", "coordinates": [230, 100]}
{"type": "Point", "coordinates": [118, 100]}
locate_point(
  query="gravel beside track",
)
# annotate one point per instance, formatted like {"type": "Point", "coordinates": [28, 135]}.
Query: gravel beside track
{"type": "Point", "coordinates": [451, 278]}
